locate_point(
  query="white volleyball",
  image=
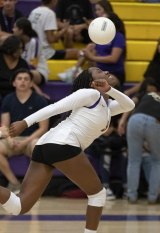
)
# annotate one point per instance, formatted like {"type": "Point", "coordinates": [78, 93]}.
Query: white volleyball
{"type": "Point", "coordinates": [101, 30]}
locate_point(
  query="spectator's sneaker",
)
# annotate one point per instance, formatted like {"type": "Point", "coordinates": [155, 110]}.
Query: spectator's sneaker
{"type": "Point", "coordinates": [69, 75]}
{"type": "Point", "coordinates": [110, 196]}
{"type": "Point", "coordinates": [152, 202]}
{"type": "Point", "coordinates": [132, 200]}
{"type": "Point", "coordinates": [125, 195]}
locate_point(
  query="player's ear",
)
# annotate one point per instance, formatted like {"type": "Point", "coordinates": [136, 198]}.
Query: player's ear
{"type": "Point", "coordinates": [93, 84]}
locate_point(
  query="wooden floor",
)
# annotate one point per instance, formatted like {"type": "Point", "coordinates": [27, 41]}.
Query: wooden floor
{"type": "Point", "coordinates": [59, 215]}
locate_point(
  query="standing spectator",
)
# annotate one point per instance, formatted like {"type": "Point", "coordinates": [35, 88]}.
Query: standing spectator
{"type": "Point", "coordinates": [10, 61]}
{"type": "Point", "coordinates": [8, 15]}
{"type": "Point", "coordinates": [16, 106]}
{"type": "Point", "coordinates": [44, 22]}
{"type": "Point", "coordinates": [77, 13]}
{"type": "Point", "coordinates": [142, 130]}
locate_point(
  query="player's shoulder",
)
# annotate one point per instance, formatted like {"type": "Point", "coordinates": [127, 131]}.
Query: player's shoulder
{"type": "Point", "coordinates": [89, 93]}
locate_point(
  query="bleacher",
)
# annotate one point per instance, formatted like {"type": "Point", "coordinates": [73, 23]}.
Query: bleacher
{"type": "Point", "coordinates": [142, 22]}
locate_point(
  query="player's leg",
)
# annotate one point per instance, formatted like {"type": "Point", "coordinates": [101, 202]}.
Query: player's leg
{"type": "Point", "coordinates": [35, 181]}
{"type": "Point", "coordinates": [81, 172]}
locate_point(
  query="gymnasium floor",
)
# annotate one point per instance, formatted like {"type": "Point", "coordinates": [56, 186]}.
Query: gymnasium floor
{"type": "Point", "coordinates": [60, 215]}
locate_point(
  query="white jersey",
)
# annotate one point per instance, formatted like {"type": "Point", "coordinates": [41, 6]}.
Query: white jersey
{"type": "Point", "coordinates": [33, 54]}
{"type": "Point", "coordinates": [89, 119]}
{"type": "Point", "coordinates": [44, 19]}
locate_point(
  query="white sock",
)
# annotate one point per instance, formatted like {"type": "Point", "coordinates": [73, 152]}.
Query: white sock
{"type": "Point", "coordinates": [13, 205]}
{"type": "Point", "coordinates": [89, 231]}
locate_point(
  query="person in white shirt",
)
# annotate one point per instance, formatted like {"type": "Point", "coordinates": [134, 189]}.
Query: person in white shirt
{"type": "Point", "coordinates": [44, 22]}
{"type": "Point", "coordinates": [62, 147]}
{"type": "Point", "coordinates": [32, 53]}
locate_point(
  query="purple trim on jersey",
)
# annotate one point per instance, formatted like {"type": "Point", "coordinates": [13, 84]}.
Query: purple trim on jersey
{"type": "Point", "coordinates": [95, 104]}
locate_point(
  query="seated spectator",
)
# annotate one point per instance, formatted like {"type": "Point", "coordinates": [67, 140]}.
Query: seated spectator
{"type": "Point", "coordinates": [102, 7]}
{"type": "Point", "coordinates": [10, 61]}
{"type": "Point", "coordinates": [17, 105]}
{"type": "Point", "coordinates": [32, 50]}
{"type": "Point", "coordinates": [110, 57]}
{"type": "Point", "coordinates": [8, 15]}
{"type": "Point", "coordinates": [78, 13]}
{"type": "Point", "coordinates": [44, 22]}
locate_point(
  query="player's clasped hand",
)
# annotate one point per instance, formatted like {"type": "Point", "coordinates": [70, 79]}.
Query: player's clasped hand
{"type": "Point", "coordinates": [101, 85]}
{"type": "Point", "coordinates": [17, 128]}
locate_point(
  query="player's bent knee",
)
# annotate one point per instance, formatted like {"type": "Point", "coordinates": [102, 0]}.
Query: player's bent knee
{"type": "Point", "coordinates": [98, 199]}
{"type": "Point", "coordinates": [13, 205]}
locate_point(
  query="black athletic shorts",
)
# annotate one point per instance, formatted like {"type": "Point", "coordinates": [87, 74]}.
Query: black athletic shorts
{"type": "Point", "coordinates": [59, 55]}
{"type": "Point", "coordinates": [51, 153]}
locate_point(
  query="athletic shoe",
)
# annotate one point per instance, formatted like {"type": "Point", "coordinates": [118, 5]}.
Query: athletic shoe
{"type": "Point", "coordinates": [110, 196]}
{"type": "Point", "coordinates": [132, 200]}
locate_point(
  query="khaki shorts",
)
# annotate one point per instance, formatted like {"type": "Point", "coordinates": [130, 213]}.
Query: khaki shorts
{"type": "Point", "coordinates": [7, 149]}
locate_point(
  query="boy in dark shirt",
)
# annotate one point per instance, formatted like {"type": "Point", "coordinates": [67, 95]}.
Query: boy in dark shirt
{"type": "Point", "coordinates": [16, 106]}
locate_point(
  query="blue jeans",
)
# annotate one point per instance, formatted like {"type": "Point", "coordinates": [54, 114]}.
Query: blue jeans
{"type": "Point", "coordinates": [142, 127]}
{"type": "Point", "coordinates": [146, 165]}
